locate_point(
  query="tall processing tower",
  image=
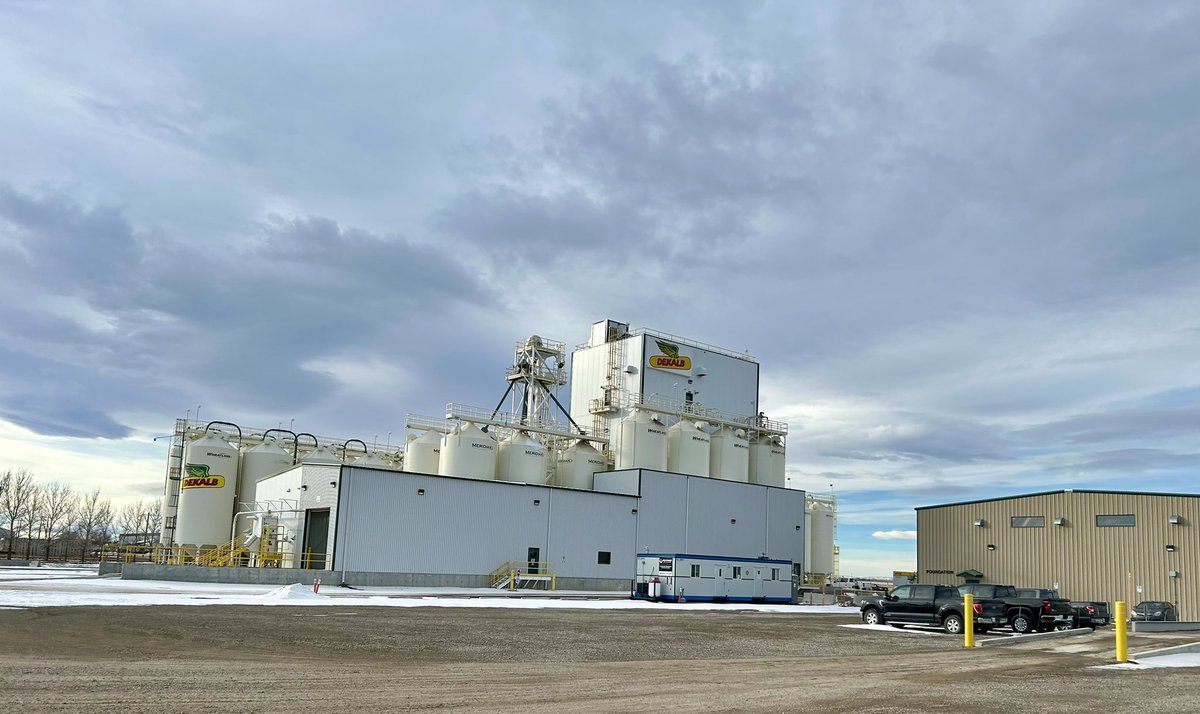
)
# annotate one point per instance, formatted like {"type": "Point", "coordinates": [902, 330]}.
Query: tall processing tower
{"type": "Point", "coordinates": [631, 386]}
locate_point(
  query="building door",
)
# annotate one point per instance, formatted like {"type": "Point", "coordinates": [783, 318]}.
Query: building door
{"type": "Point", "coordinates": [535, 557]}
{"type": "Point", "coordinates": [719, 589]}
{"type": "Point", "coordinates": [316, 539]}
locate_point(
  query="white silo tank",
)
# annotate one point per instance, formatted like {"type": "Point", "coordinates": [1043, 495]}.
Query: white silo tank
{"type": "Point", "coordinates": [768, 461]}
{"type": "Point", "coordinates": [730, 458]}
{"type": "Point", "coordinates": [373, 461]}
{"type": "Point", "coordinates": [689, 448]}
{"type": "Point", "coordinates": [207, 488]}
{"type": "Point", "coordinates": [422, 455]}
{"type": "Point", "coordinates": [467, 452]}
{"type": "Point", "coordinates": [520, 458]}
{"type": "Point", "coordinates": [819, 523]}
{"type": "Point", "coordinates": [643, 442]}
{"type": "Point", "coordinates": [577, 464]}
{"type": "Point", "coordinates": [321, 455]}
{"type": "Point", "coordinates": [266, 459]}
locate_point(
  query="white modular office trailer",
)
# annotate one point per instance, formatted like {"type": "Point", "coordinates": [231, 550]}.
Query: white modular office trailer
{"type": "Point", "coordinates": [679, 577]}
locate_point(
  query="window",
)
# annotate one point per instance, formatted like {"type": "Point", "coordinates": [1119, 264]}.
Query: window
{"type": "Point", "coordinates": [1118, 521]}
{"type": "Point", "coordinates": [737, 571]}
{"type": "Point", "coordinates": [1028, 521]}
{"type": "Point", "coordinates": [604, 557]}
{"type": "Point", "coordinates": [695, 570]}
{"type": "Point", "coordinates": [774, 573]}
{"type": "Point", "coordinates": [903, 592]}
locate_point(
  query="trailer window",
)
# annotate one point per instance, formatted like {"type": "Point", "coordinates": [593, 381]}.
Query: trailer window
{"type": "Point", "coordinates": [695, 570]}
{"type": "Point", "coordinates": [737, 571]}
{"type": "Point", "coordinates": [774, 573]}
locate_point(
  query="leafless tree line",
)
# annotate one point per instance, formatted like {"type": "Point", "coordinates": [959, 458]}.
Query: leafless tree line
{"type": "Point", "coordinates": [52, 518]}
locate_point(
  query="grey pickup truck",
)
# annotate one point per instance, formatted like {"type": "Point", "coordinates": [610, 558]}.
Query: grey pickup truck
{"type": "Point", "coordinates": [938, 605]}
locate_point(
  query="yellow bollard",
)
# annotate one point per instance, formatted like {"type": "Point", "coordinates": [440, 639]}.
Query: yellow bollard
{"type": "Point", "coordinates": [968, 620]}
{"type": "Point", "coordinates": [1122, 639]}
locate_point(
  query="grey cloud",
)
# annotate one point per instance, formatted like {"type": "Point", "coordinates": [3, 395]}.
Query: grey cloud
{"type": "Point", "coordinates": [182, 317]}
{"type": "Point", "coordinates": [1119, 425]}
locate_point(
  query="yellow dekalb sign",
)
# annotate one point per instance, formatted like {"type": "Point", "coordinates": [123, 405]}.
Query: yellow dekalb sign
{"type": "Point", "coordinates": [198, 477]}
{"type": "Point", "coordinates": [670, 358]}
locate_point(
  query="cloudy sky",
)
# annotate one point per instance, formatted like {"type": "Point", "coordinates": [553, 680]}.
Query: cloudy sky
{"type": "Point", "coordinates": [960, 237]}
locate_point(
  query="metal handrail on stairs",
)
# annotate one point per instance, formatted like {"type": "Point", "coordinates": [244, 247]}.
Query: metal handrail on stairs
{"type": "Point", "coordinates": [520, 573]}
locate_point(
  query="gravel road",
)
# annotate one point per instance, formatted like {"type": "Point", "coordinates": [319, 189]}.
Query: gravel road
{"type": "Point", "coordinates": [288, 659]}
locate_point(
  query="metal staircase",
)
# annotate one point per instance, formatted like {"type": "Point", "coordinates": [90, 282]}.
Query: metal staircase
{"type": "Point", "coordinates": [525, 575]}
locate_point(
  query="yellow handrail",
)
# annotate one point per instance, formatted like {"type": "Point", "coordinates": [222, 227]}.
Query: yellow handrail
{"type": "Point", "coordinates": [514, 572]}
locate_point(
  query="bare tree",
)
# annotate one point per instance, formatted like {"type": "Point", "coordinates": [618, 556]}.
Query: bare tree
{"type": "Point", "coordinates": [16, 491]}
{"type": "Point", "coordinates": [33, 514]}
{"type": "Point", "coordinates": [57, 509]}
{"type": "Point", "coordinates": [93, 519]}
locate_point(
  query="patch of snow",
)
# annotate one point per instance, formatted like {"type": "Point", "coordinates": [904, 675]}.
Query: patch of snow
{"type": "Point", "coordinates": [296, 591]}
{"type": "Point", "coordinates": [1189, 659]}
{"type": "Point", "coordinates": [888, 628]}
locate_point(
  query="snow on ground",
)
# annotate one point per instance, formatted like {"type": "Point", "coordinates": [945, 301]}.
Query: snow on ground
{"type": "Point", "coordinates": [896, 630]}
{"type": "Point", "coordinates": [1191, 659]}
{"type": "Point", "coordinates": [113, 592]}
{"type": "Point", "coordinates": [46, 572]}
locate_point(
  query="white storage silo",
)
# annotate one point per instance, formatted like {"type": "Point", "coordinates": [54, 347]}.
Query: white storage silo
{"type": "Point", "coordinates": [207, 488]}
{"type": "Point", "coordinates": [689, 449]}
{"type": "Point", "coordinates": [521, 459]}
{"type": "Point", "coordinates": [643, 442]}
{"type": "Point", "coordinates": [730, 455]}
{"type": "Point", "coordinates": [819, 521]}
{"type": "Point", "coordinates": [266, 459]}
{"type": "Point", "coordinates": [768, 461]}
{"type": "Point", "coordinates": [373, 461]}
{"type": "Point", "coordinates": [321, 455]}
{"type": "Point", "coordinates": [467, 452]}
{"type": "Point", "coordinates": [422, 455]}
{"type": "Point", "coordinates": [576, 465]}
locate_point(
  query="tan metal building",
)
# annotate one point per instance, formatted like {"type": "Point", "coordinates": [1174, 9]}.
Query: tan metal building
{"type": "Point", "coordinates": [1091, 545]}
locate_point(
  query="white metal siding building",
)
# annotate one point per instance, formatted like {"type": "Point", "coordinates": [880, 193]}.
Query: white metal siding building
{"type": "Point", "coordinates": [398, 522]}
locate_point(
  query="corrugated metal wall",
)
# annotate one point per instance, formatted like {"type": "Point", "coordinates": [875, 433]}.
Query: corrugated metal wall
{"type": "Point", "coordinates": [785, 524]}
{"type": "Point", "coordinates": [465, 526]}
{"type": "Point", "coordinates": [456, 526]}
{"type": "Point", "coordinates": [1086, 561]}
{"type": "Point", "coordinates": [582, 524]}
{"type": "Point", "coordinates": [726, 518]}
{"type": "Point", "coordinates": [662, 512]}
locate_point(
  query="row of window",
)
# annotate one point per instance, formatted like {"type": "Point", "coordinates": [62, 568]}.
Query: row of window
{"type": "Point", "coordinates": [1122, 520]}
{"type": "Point", "coordinates": [737, 572]}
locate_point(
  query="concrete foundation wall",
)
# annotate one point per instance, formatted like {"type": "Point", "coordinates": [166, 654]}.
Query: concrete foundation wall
{"type": "Point", "coordinates": [288, 576]}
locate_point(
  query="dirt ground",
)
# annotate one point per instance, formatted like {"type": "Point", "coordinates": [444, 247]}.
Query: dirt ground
{"type": "Point", "coordinates": [291, 659]}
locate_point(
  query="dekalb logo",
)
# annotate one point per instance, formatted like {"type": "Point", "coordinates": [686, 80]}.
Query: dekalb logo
{"type": "Point", "coordinates": [198, 477]}
{"type": "Point", "coordinates": [670, 358]}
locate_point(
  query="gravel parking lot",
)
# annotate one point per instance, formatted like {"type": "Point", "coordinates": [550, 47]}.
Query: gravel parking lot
{"type": "Point", "coordinates": [234, 659]}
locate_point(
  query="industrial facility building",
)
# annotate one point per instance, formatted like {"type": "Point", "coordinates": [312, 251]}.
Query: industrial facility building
{"type": "Point", "coordinates": [1090, 545]}
{"type": "Point", "coordinates": [663, 450]}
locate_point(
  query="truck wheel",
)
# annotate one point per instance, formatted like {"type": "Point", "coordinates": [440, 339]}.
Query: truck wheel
{"type": "Point", "coordinates": [953, 624]}
{"type": "Point", "coordinates": [871, 616]}
{"type": "Point", "coordinates": [1022, 623]}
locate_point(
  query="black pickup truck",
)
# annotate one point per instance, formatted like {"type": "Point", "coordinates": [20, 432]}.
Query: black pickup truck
{"type": "Point", "coordinates": [929, 605]}
{"type": "Point", "coordinates": [1025, 614]}
{"type": "Point", "coordinates": [1087, 614]}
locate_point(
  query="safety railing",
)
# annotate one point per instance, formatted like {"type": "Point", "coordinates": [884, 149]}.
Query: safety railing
{"type": "Point", "coordinates": [222, 556]}
{"type": "Point", "coordinates": [521, 574]}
